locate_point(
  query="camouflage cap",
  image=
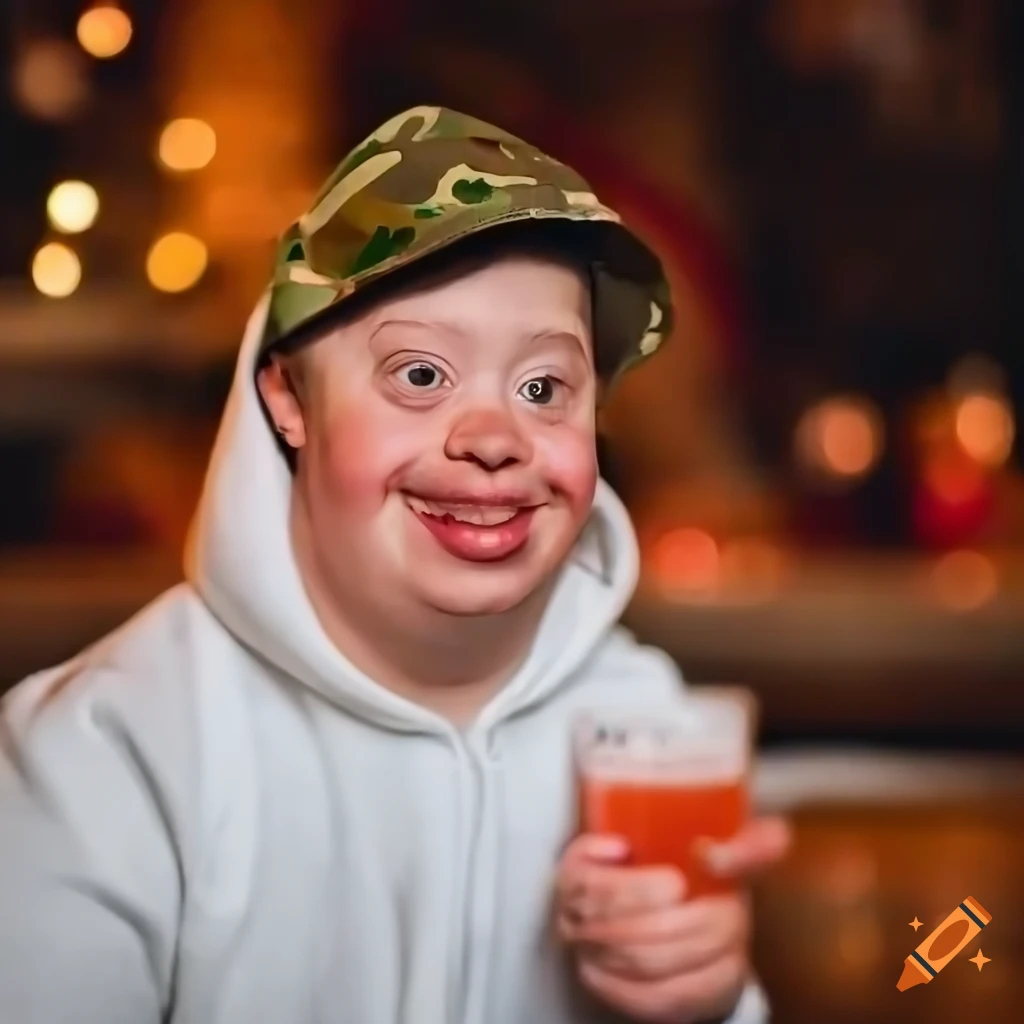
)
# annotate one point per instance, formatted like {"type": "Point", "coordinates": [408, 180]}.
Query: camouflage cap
{"type": "Point", "coordinates": [430, 177]}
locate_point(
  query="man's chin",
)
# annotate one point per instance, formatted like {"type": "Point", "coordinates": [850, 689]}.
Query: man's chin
{"type": "Point", "coordinates": [465, 588]}
{"type": "Point", "coordinates": [478, 597]}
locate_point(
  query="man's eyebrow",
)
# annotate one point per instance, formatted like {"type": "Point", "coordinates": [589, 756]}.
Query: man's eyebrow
{"type": "Point", "coordinates": [575, 339]}
{"type": "Point", "coordinates": [430, 325]}
{"type": "Point", "coordinates": [560, 334]}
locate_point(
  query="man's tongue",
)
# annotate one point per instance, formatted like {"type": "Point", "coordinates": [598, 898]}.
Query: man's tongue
{"type": "Point", "coordinates": [475, 533]}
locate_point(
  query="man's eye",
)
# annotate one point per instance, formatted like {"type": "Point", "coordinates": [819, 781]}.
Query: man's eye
{"type": "Point", "coordinates": [421, 376]}
{"type": "Point", "coordinates": [539, 391]}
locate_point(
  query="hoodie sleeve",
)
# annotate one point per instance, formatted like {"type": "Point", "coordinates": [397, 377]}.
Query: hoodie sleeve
{"type": "Point", "coordinates": [89, 878]}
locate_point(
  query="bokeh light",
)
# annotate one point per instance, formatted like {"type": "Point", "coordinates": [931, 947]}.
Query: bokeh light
{"type": "Point", "coordinates": [965, 580]}
{"type": "Point", "coordinates": [985, 428]}
{"type": "Point", "coordinates": [841, 437]}
{"type": "Point", "coordinates": [952, 478]}
{"type": "Point", "coordinates": [176, 262]}
{"type": "Point", "coordinates": [73, 206]}
{"type": "Point", "coordinates": [56, 270]}
{"type": "Point", "coordinates": [104, 31]}
{"type": "Point", "coordinates": [187, 144]}
{"type": "Point", "coordinates": [49, 80]}
{"type": "Point", "coordinates": [685, 561]}
{"type": "Point", "coordinates": [953, 500]}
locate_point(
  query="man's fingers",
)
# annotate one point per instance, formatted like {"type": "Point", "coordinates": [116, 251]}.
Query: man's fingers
{"type": "Point", "coordinates": [595, 892]}
{"type": "Point", "coordinates": [680, 922]}
{"type": "Point", "coordinates": [761, 843]}
{"type": "Point", "coordinates": [592, 885]}
{"type": "Point", "coordinates": [706, 993]}
{"type": "Point", "coordinates": [673, 941]}
{"type": "Point", "coordinates": [594, 848]}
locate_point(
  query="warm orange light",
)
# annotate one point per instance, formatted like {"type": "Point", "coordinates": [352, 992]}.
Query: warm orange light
{"type": "Point", "coordinates": [176, 262]}
{"type": "Point", "coordinates": [965, 580]}
{"type": "Point", "coordinates": [841, 437]}
{"type": "Point", "coordinates": [72, 206]}
{"type": "Point", "coordinates": [985, 428]}
{"type": "Point", "coordinates": [187, 144]}
{"type": "Point", "coordinates": [685, 560]}
{"type": "Point", "coordinates": [49, 79]}
{"type": "Point", "coordinates": [847, 441]}
{"type": "Point", "coordinates": [104, 30]}
{"type": "Point", "coordinates": [56, 270]}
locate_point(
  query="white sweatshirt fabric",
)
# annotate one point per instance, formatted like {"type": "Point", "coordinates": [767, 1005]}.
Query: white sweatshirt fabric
{"type": "Point", "coordinates": [211, 817]}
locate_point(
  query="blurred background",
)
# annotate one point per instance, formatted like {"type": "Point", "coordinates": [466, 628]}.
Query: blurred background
{"type": "Point", "coordinates": [824, 466]}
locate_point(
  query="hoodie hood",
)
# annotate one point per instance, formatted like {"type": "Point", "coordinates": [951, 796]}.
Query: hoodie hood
{"type": "Point", "coordinates": [240, 562]}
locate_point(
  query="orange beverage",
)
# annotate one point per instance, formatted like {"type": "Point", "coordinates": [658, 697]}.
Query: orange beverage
{"type": "Point", "coordinates": [668, 824]}
{"type": "Point", "coordinates": [671, 780]}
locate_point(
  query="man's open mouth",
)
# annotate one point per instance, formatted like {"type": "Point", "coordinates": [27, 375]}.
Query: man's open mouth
{"type": "Point", "coordinates": [480, 530]}
{"type": "Point", "coordinates": [477, 515]}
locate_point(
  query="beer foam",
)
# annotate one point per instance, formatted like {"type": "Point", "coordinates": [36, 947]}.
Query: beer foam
{"type": "Point", "coordinates": [682, 746]}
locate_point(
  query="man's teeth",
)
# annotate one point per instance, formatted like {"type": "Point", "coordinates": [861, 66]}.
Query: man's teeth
{"type": "Point", "coordinates": [478, 515]}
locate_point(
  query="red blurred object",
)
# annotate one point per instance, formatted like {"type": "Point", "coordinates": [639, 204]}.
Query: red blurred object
{"type": "Point", "coordinates": [953, 501]}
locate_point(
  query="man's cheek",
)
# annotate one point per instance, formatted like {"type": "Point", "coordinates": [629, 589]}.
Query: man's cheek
{"type": "Point", "coordinates": [571, 468]}
{"type": "Point", "coordinates": [363, 460]}
{"type": "Point", "coordinates": [349, 466]}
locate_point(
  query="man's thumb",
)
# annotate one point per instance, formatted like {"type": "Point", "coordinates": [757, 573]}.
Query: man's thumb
{"type": "Point", "coordinates": [604, 849]}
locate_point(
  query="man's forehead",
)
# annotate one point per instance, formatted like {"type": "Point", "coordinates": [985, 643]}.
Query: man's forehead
{"type": "Point", "coordinates": [527, 289]}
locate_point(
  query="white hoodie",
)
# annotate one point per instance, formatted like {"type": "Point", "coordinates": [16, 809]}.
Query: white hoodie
{"type": "Point", "coordinates": [212, 817]}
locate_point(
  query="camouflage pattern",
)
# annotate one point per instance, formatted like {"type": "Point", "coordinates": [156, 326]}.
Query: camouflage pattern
{"type": "Point", "coordinates": [431, 176]}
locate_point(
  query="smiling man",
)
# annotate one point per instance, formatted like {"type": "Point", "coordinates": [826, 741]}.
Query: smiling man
{"type": "Point", "coordinates": [329, 778]}
{"type": "Point", "coordinates": [444, 449]}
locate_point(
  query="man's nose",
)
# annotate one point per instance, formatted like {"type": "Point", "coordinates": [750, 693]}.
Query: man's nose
{"type": "Point", "coordinates": [489, 437]}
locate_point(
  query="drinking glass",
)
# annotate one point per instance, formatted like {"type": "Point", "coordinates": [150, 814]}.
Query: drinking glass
{"type": "Point", "coordinates": [672, 779]}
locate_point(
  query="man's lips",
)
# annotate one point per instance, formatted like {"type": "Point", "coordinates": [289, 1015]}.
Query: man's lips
{"type": "Point", "coordinates": [476, 528]}
{"type": "Point", "coordinates": [491, 509]}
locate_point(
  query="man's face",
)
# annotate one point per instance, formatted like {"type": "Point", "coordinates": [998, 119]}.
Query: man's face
{"type": "Point", "coordinates": [447, 439]}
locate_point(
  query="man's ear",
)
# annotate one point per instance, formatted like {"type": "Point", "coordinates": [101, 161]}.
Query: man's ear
{"type": "Point", "coordinates": [282, 402]}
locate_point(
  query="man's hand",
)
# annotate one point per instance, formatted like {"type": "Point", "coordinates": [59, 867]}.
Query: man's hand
{"type": "Point", "coordinates": [641, 946]}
